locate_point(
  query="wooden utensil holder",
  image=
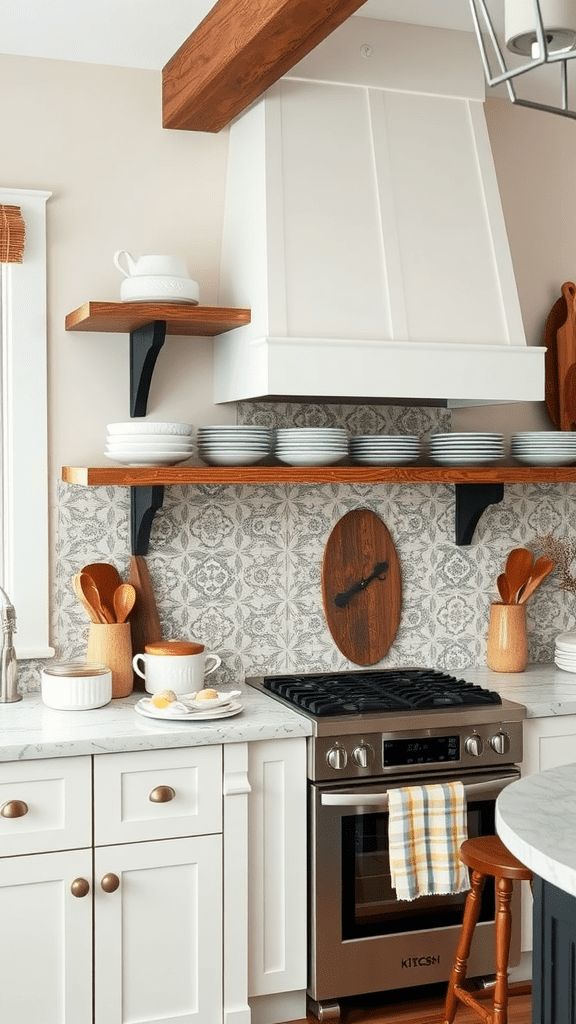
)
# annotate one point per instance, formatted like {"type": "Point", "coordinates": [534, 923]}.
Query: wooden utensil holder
{"type": "Point", "coordinates": [507, 638]}
{"type": "Point", "coordinates": [111, 644]}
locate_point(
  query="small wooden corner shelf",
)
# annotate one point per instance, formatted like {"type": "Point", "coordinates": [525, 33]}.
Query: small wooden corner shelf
{"type": "Point", "coordinates": [180, 318]}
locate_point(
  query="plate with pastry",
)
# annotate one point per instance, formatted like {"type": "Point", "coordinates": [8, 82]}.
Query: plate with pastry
{"type": "Point", "coordinates": [167, 705]}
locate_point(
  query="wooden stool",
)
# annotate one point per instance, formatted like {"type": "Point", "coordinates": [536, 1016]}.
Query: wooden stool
{"type": "Point", "coordinates": [488, 857]}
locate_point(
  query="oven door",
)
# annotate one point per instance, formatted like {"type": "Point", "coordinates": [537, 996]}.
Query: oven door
{"type": "Point", "coordinates": [363, 939]}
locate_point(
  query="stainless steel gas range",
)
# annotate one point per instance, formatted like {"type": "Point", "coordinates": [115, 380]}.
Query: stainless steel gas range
{"type": "Point", "coordinates": [373, 730]}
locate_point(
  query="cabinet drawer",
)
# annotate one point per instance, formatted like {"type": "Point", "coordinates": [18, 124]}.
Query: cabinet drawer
{"type": "Point", "coordinates": [159, 794]}
{"type": "Point", "coordinates": [52, 800]}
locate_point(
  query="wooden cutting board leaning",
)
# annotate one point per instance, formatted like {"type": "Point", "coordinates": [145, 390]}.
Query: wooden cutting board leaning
{"type": "Point", "coordinates": [361, 587]}
{"type": "Point", "coordinates": [560, 359]}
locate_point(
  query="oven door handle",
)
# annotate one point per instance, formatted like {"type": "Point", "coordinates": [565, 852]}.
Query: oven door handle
{"type": "Point", "coordinates": [347, 799]}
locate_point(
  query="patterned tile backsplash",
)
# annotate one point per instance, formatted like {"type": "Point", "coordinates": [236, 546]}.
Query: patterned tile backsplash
{"type": "Point", "coordinates": [239, 567]}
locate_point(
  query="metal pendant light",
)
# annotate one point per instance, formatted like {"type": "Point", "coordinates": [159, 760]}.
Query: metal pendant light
{"type": "Point", "coordinates": [544, 31]}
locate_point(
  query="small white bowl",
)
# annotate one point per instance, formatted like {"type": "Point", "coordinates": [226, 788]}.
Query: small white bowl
{"type": "Point", "coordinates": [76, 685]}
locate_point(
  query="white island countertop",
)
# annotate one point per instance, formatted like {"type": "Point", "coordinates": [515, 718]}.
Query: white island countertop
{"type": "Point", "coordinates": [536, 820]}
{"type": "Point", "coordinates": [29, 729]}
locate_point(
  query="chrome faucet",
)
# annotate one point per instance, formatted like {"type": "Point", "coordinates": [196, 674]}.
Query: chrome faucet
{"type": "Point", "coordinates": [8, 664]}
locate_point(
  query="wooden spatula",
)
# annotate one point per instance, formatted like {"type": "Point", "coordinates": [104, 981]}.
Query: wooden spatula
{"type": "Point", "coordinates": [518, 568]}
{"type": "Point", "coordinates": [107, 580]}
{"type": "Point", "coordinates": [542, 568]}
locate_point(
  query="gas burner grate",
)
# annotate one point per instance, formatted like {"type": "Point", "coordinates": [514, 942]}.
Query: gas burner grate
{"type": "Point", "coordinates": [355, 693]}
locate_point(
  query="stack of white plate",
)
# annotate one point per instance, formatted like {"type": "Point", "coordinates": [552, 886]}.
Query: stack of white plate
{"type": "Point", "coordinates": [466, 449]}
{"type": "Point", "coordinates": [311, 446]}
{"type": "Point", "coordinates": [145, 443]}
{"type": "Point", "coordinates": [234, 445]}
{"type": "Point", "coordinates": [384, 449]}
{"type": "Point", "coordinates": [565, 652]}
{"type": "Point", "coordinates": [545, 447]}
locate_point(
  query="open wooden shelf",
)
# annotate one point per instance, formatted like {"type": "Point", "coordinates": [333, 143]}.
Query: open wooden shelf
{"type": "Point", "coordinates": [180, 318]}
{"type": "Point", "coordinates": [131, 476]}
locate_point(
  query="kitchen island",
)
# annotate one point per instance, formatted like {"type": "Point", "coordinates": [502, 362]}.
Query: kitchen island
{"type": "Point", "coordinates": [536, 820]}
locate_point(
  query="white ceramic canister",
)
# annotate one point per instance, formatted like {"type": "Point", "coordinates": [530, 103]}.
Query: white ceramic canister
{"type": "Point", "coordinates": [76, 685]}
{"type": "Point", "coordinates": [177, 665]}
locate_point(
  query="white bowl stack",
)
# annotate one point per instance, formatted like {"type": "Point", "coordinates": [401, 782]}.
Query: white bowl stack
{"type": "Point", "coordinates": [466, 449]}
{"type": "Point", "coordinates": [311, 446]}
{"type": "Point", "coordinates": [384, 449]}
{"type": "Point", "coordinates": [229, 445]}
{"type": "Point", "coordinates": [565, 652]}
{"type": "Point", "coordinates": [544, 447]}
{"type": "Point", "coordinates": [147, 443]}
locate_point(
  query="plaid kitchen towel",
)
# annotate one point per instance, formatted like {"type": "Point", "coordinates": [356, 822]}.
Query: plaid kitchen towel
{"type": "Point", "coordinates": [426, 827]}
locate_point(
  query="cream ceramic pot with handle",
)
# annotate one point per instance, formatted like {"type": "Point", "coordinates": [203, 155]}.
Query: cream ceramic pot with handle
{"type": "Point", "coordinates": [180, 673]}
{"type": "Point", "coordinates": [150, 266]}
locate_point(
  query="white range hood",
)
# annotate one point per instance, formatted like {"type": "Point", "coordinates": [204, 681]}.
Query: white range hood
{"type": "Point", "coordinates": [363, 227]}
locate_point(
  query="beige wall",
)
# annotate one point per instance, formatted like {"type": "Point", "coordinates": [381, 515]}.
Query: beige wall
{"type": "Point", "coordinates": [92, 134]}
{"type": "Point", "coordinates": [535, 157]}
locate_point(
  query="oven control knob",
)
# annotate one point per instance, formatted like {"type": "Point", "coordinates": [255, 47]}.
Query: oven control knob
{"type": "Point", "coordinates": [337, 758]}
{"type": "Point", "coordinates": [474, 745]}
{"type": "Point", "coordinates": [500, 742]}
{"type": "Point", "coordinates": [363, 755]}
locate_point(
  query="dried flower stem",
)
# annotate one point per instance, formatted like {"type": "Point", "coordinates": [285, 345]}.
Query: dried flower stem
{"type": "Point", "coordinates": [563, 553]}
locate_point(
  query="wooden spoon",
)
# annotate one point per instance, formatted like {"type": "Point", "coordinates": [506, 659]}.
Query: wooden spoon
{"type": "Point", "coordinates": [107, 579]}
{"type": "Point", "coordinates": [518, 568]}
{"type": "Point", "coordinates": [85, 600]}
{"type": "Point", "coordinates": [542, 568]}
{"type": "Point", "coordinates": [90, 591]}
{"type": "Point", "coordinates": [503, 588]}
{"type": "Point", "coordinates": [124, 600]}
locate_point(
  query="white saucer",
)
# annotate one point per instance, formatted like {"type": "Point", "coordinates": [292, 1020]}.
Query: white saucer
{"type": "Point", "coordinates": [146, 708]}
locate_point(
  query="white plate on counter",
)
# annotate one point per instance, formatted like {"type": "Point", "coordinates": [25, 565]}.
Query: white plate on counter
{"type": "Point", "coordinates": [146, 708]}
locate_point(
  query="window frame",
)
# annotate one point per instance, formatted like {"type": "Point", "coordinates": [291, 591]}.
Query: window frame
{"type": "Point", "coordinates": [24, 527]}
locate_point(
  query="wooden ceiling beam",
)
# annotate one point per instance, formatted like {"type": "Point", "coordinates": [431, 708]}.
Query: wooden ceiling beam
{"type": "Point", "coordinates": [237, 52]}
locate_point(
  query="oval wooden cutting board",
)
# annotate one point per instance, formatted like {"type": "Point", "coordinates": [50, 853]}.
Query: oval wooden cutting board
{"type": "Point", "coordinates": [363, 617]}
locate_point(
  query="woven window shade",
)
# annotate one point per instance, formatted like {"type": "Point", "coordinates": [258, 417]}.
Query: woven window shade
{"type": "Point", "coordinates": [12, 234]}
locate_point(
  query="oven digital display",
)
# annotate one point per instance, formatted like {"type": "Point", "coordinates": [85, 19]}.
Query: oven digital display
{"type": "Point", "coordinates": [427, 750]}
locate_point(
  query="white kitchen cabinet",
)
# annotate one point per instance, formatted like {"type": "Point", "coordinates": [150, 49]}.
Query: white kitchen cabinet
{"type": "Point", "coordinates": [548, 743]}
{"type": "Point", "coordinates": [45, 939]}
{"type": "Point", "coordinates": [144, 934]}
{"type": "Point", "coordinates": [158, 935]}
{"type": "Point", "coordinates": [277, 908]}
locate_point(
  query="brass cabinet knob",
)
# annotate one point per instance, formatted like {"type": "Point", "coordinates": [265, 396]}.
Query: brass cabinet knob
{"type": "Point", "coordinates": [80, 887]}
{"type": "Point", "coordinates": [14, 809]}
{"type": "Point", "coordinates": [162, 794]}
{"type": "Point", "coordinates": [110, 882]}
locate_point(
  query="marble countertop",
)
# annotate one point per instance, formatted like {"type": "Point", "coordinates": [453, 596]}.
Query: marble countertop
{"type": "Point", "coordinates": [28, 729]}
{"type": "Point", "coordinates": [536, 820]}
{"type": "Point", "coordinates": [543, 689]}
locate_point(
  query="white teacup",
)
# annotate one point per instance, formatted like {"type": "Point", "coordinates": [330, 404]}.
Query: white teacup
{"type": "Point", "coordinates": [144, 266]}
{"type": "Point", "coordinates": [182, 673]}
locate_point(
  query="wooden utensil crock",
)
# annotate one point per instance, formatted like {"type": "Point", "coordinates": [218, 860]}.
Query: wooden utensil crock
{"type": "Point", "coordinates": [507, 638]}
{"type": "Point", "coordinates": [111, 644]}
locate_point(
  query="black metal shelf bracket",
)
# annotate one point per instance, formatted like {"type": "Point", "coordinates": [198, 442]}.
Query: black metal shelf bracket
{"type": "Point", "coordinates": [145, 344]}
{"type": "Point", "coordinates": [471, 501]}
{"type": "Point", "coordinates": [144, 504]}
